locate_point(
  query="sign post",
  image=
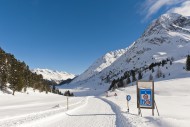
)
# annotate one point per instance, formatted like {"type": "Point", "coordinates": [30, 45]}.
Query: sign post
{"type": "Point", "coordinates": [128, 97]}
{"type": "Point", "coordinates": [145, 96]}
{"type": "Point", "coordinates": [67, 103]}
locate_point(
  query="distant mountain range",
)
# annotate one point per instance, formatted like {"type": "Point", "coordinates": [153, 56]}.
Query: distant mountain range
{"type": "Point", "coordinates": [55, 76]}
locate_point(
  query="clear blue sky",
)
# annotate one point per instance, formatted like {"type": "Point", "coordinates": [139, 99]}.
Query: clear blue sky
{"type": "Point", "coordinates": [69, 35]}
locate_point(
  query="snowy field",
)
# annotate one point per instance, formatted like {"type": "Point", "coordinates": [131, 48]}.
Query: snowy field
{"type": "Point", "coordinates": [40, 110]}
{"type": "Point", "coordinates": [173, 101]}
{"type": "Point", "coordinates": [22, 107]}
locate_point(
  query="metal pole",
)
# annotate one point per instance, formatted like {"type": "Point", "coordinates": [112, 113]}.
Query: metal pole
{"type": "Point", "coordinates": [157, 108]}
{"type": "Point", "coordinates": [67, 103]}
{"type": "Point", "coordinates": [152, 112]}
{"type": "Point", "coordinates": [127, 106]}
{"type": "Point", "coordinates": [140, 113]}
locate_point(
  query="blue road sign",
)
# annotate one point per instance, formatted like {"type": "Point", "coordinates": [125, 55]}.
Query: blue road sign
{"type": "Point", "coordinates": [145, 98]}
{"type": "Point", "coordinates": [128, 97]}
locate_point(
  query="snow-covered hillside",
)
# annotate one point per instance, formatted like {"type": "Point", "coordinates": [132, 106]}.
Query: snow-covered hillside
{"type": "Point", "coordinates": [166, 37]}
{"type": "Point", "coordinates": [100, 64]}
{"type": "Point", "coordinates": [55, 76]}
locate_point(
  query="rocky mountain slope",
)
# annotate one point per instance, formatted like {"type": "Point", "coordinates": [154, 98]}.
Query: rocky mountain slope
{"type": "Point", "coordinates": [167, 37]}
{"type": "Point", "coordinates": [100, 64]}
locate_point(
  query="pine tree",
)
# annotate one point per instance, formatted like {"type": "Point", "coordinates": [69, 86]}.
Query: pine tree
{"type": "Point", "coordinates": [153, 70]}
{"type": "Point", "coordinates": [150, 77]}
{"type": "Point", "coordinates": [133, 76]}
{"type": "Point", "coordinates": [158, 73]}
{"type": "Point", "coordinates": [188, 63]}
{"type": "Point", "coordinates": [3, 70]}
{"type": "Point", "coordinates": [53, 89]}
{"type": "Point", "coordinates": [112, 84]}
{"type": "Point", "coordinates": [121, 84]}
{"type": "Point", "coordinates": [26, 77]}
{"type": "Point", "coordinates": [19, 76]}
{"type": "Point", "coordinates": [13, 76]}
{"type": "Point", "coordinates": [140, 75]}
{"type": "Point", "coordinates": [128, 80]}
{"type": "Point", "coordinates": [170, 62]}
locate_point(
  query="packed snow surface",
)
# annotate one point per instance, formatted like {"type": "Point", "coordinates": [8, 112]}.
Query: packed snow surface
{"type": "Point", "coordinates": [41, 110]}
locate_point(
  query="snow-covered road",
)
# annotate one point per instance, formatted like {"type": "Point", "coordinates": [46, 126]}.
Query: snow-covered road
{"type": "Point", "coordinates": [94, 113]}
{"type": "Point", "coordinates": [98, 111]}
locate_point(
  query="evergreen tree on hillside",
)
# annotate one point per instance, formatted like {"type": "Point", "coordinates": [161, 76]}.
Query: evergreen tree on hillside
{"type": "Point", "coordinates": [19, 76]}
{"type": "Point", "coordinates": [120, 84]}
{"type": "Point", "coordinates": [150, 77]}
{"type": "Point", "coordinates": [188, 63]}
{"type": "Point", "coordinates": [170, 62]}
{"type": "Point", "coordinates": [13, 76]}
{"type": "Point", "coordinates": [133, 76]}
{"type": "Point", "coordinates": [53, 89]}
{"type": "Point", "coordinates": [3, 70]}
{"type": "Point", "coordinates": [159, 73]}
{"type": "Point", "coordinates": [152, 70]}
{"type": "Point", "coordinates": [128, 80]}
{"type": "Point", "coordinates": [112, 84]}
{"type": "Point", "coordinates": [139, 75]}
{"type": "Point", "coordinates": [26, 77]}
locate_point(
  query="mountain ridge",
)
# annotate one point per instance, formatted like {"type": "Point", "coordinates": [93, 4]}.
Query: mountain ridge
{"type": "Point", "coordinates": [160, 41]}
{"type": "Point", "coordinates": [53, 75]}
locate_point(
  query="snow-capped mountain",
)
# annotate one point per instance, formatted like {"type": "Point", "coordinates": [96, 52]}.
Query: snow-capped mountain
{"type": "Point", "coordinates": [167, 37]}
{"type": "Point", "coordinates": [55, 76]}
{"type": "Point", "coordinates": [101, 64]}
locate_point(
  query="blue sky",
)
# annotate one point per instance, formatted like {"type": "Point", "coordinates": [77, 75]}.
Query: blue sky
{"type": "Point", "coordinates": [69, 35]}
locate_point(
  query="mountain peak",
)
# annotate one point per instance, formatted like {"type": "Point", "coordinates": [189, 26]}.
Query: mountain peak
{"type": "Point", "coordinates": [160, 41]}
{"type": "Point", "coordinates": [165, 26]}
{"type": "Point", "coordinates": [100, 64]}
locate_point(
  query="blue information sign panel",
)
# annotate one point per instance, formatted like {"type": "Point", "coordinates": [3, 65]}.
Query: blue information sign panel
{"type": "Point", "coordinates": [145, 98]}
{"type": "Point", "coordinates": [128, 97]}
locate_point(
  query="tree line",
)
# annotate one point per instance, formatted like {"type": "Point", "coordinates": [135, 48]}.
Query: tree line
{"type": "Point", "coordinates": [19, 76]}
{"type": "Point", "coordinates": [130, 76]}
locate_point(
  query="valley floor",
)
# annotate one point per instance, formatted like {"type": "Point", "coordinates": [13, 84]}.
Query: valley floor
{"type": "Point", "coordinates": [95, 113]}
{"type": "Point", "coordinates": [40, 110]}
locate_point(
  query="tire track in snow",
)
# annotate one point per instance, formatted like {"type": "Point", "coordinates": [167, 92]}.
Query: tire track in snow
{"type": "Point", "coordinates": [36, 116]}
{"type": "Point", "coordinates": [94, 113]}
{"type": "Point", "coordinates": [121, 120]}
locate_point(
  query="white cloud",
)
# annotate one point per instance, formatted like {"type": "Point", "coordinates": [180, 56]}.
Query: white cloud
{"type": "Point", "coordinates": [184, 9]}
{"type": "Point", "coordinates": [151, 7]}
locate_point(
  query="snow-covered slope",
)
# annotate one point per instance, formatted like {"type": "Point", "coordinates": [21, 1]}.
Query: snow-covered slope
{"type": "Point", "coordinates": [100, 64]}
{"type": "Point", "coordinates": [51, 75]}
{"type": "Point", "coordinates": [166, 37]}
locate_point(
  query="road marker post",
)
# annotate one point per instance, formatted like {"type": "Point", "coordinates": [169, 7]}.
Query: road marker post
{"type": "Point", "coordinates": [128, 98]}
{"type": "Point", "coordinates": [67, 103]}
